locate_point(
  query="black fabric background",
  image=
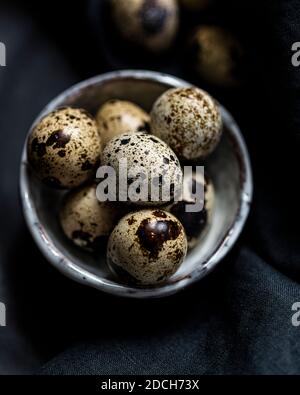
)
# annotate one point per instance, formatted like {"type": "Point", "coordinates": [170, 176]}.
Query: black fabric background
{"type": "Point", "coordinates": [238, 319]}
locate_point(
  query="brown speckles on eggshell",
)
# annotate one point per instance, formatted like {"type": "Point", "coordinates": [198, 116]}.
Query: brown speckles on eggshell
{"type": "Point", "coordinates": [119, 116]}
{"type": "Point", "coordinates": [39, 148]}
{"type": "Point", "coordinates": [125, 141]}
{"type": "Point", "coordinates": [150, 249]}
{"type": "Point", "coordinates": [150, 156]}
{"type": "Point", "coordinates": [85, 220]}
{"type": "Point", "coordinates": [61, 153]}
{"type": "Point", "coordinates": [61, 146]}
{"type": "Point", "coordinates": [131, 220]}
{"type": "Point", "coordinates": [159, 214]}
{"type": "Point", "coordinates": [153, 234]}
{"type": "Point", "coordinates": [58, 139]}
{"type": "Point", "coordinates": [189, 120]}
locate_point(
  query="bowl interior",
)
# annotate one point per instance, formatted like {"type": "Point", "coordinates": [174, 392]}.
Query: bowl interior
{"type": "Point", "coordinates": [228, 168]}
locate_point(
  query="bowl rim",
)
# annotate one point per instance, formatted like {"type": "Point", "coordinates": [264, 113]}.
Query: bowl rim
{"type": "Point", "coordinates": [71, 269]}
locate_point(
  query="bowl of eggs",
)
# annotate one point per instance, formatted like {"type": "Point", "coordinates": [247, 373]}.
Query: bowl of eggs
{"type": "Point", "coordinates": [127, 246]}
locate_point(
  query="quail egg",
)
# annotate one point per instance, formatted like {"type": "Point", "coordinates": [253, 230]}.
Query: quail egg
{"type": "Point", "coordinates": [217, 56]}
{"type": "Point", "coordinates": [85, 220]}
{"type": "Point", "coordinates": [119, 116]}
{"type": "Point", "coordinates": [148, 172]}
{"type": "Point", "coordinates": [195, 5]}
{"type": "Point", "coordinates": [65, 147]}
{"type": "Point", "coordinates": [151, 24]}
{"type": "Point", "coordinates": [147, 246]}
{"type": "Point", "coordinates": [194, 211]}
{"type": "Point", "coordinates": [189, 120]}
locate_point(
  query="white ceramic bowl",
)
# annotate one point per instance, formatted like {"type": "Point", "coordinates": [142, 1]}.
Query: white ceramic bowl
{"type": "Point", "coordinates": [228, 167]}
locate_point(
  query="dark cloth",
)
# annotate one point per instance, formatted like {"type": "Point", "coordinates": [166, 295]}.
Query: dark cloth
{"type": "Point", "coordinates": [235, 321]}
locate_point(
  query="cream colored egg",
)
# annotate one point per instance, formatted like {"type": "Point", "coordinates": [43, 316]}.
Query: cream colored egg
{"type": "Point", "coordinates": [217, 56]}
{"type": "Point", "coordinates": [64, 148]}
{"type": "Point", "coordinates": [151, 166]}
{"type": "Point", "coordinates": [147, 246]}
{"type": "Point", "coordinates": [85, 220]}
{"type": "Point", "coordinates": [119, 116]}
{"type": "Point", "coordinates": [188, 120]}
{"type": "Point", "coordinates": [152, 24]}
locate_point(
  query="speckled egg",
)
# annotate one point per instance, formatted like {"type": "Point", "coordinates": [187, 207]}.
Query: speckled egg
{"type": "Point", "coordinates": [217, 56]}
{"type": "Point", "coordinates": [151, 166]}
{"type": "Point", "coordinates": [195, 223]}
{"type": "Point", "coordinates": [85, 220]}
{"type": "Point", "coordinates": [119, 116]}
{"type": "Point", "coordinates": [195, 5]}
{"type": "Point", "coordinates": [65, 147]}
{"type": "Point", "coordinates": [147, 247]}
{"type": "Point", "coordinates": [189, 120]}
{"type": "Point", "coordinates": [151, 24]}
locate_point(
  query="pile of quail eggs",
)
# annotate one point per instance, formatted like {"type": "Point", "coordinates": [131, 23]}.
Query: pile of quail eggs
{"type": "Point", "coordinates": [146, 241]}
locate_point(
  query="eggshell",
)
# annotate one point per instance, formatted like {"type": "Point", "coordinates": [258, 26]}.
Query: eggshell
{"type": "Point", "coordinates": [85, 220]}
{"type": "Point", "coordinates": [217, 56]}
{"type": "Point", "coordinates": [188, 120]}
{"type": "Point", "coordinates": [195, 223]}
{"type": "Point", "coordinates": [64, 148]}
{"type": "Point", "coordinates": [152, 24]}
{"type": "Point", "coordinates": [147, 246]}
{"type": "Point", "coordinates": [119, 116]}
{"type": "Point", "coordinates": [150, 157]}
